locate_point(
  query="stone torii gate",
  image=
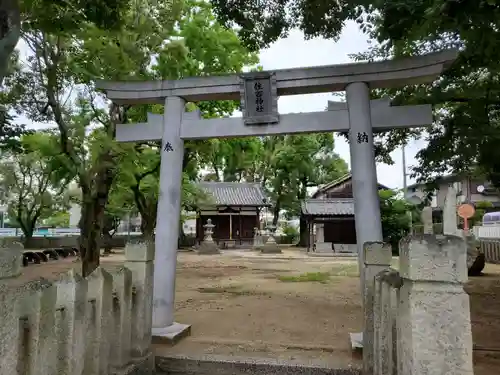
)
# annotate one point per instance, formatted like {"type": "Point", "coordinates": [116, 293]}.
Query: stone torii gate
{"type": "Point", "coordinates": [259, 93]}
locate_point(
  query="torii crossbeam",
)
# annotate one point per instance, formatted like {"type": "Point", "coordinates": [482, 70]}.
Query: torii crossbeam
{"type": "Point", "coordinates": [336, 119]}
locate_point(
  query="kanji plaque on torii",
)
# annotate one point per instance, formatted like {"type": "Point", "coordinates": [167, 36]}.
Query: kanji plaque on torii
{"type": "Point", "coordinates": [259, 98]}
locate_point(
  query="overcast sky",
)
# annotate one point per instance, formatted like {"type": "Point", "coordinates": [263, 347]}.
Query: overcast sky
{"type": "Point", "coordinates": [296, 52]}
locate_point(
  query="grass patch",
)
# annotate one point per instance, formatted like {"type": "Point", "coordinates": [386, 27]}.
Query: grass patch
{"type": "Point", "coordinates": [345, 270]}
{"type": "Point", "coordinates": [321, 277]}
{"type": "Point", "coordinates": [233, 290]}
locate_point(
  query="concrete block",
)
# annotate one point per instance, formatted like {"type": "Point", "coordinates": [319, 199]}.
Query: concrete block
{"type": "Point", "coordinates": [100, 294]}
{"type": "Point", "coordinates": [208, 248]}
{"type": "Point", "coordinates": [324, 247]}
{"type": "Point", "coordinates": [122, 318]}
{"type": "Point", "coordinates": [377, 258]}
{"type": "Point", "coordinates": [433, 258]}
{"type": "Point", "coordinates": [140, 251]}
{"type": "Point", "coordinates": [434, 326]}
{"type": "Point", "coordinates": [9, 327]}
{"type": "Point", "coordinates": [142, 306]}
{"type": "Point", "coordinates": [172, 334]}
{"type": "Point", "coordinates": [38, 311]}
{"type": "Point", "coordinates": [233, 365]}
{"type": "Point", "coordinates": [377, 253]}
{"type": "Point", "coordinates": [11, 262]}
{"type": "Point", "coordinates": [270, 248]}
{"type": "Point", "coordinates": [72, 297]}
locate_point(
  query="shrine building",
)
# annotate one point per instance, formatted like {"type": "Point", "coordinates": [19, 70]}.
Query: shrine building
{"type": "Point", "coordinates": [331, 211]}
{"type": "Point", "coordinates": [234, 208]}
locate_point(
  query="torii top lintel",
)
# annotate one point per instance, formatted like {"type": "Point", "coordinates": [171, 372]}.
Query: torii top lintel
{"type": "Point", "coordinates": [379, 74]}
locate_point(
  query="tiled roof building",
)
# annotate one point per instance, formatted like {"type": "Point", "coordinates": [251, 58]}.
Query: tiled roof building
{"type": "Point", "coordinates": [234, 208]}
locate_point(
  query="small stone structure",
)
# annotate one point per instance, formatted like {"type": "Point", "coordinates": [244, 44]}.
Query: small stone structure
{"type": "Point", "coordinates": [420, 314]}
{"type": "Point", "coordinates": [208, 246]}
{"type": "Point", "coordinates": [97, 325]}
{"type": "Point", "coordinates": [270, 246]}
{"type": "Point", "coordinates": [377, 258]}
{"type": "Point", "coordinates": [257, 239]}
{"type": "Point", "coordinates": [320, 245]}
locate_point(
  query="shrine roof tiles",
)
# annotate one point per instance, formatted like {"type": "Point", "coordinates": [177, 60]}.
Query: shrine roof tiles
{"type": "Point", "coordinates": [327, 207]}
{"type": "Point", "coordinates": [235, 193]}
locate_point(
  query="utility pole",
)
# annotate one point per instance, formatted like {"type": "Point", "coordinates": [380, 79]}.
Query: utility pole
{"type": "Point", "coordinates": [405, 185]}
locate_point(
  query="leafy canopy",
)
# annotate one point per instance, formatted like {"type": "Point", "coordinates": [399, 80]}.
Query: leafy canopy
{"type": "Point", "coordinates": [261, 22]}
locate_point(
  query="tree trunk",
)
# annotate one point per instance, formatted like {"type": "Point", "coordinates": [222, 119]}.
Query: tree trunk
{"type": "Point", "coordinates": [10, 31]}
{"type": "Point", "coordinates": [28, 241]}
{"type": "Point", "coordinates": [91, 222]}
{"type": "Point", "coordinates": [27, 230]}
{"type": "Point", "coordinates": [276, 213]}
{"type": "Point", "coordinates": [90, 233]}
{"type": "Point", "coordinates": [108, 226]}
{"type": "Point", "coordinates": [148, 227]}
{"type": "Point", "coordinates": [303, 240]}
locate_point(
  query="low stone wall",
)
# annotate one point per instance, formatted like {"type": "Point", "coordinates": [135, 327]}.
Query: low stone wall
{"type": "Point", "coordinates": [421, 313]}
{"type": "Point", "coordinates": [117, 241]}
{"type": "Point", "coordinates": [99, 325]}
{"type": "Point", "coordinates": [491, 250]}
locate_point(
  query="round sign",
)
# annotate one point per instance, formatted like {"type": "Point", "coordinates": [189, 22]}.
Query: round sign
{"type": "Point", "coordinates": [480, 189]}
{"type": "Point", "coordinates": [466, 211]}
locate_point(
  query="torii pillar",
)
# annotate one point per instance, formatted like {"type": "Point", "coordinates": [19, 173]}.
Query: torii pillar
{"type": "Point", "coordinates": [167, 224]}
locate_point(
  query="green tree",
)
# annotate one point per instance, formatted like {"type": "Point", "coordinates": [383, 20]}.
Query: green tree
{"type": "Point", "coordinates": [481, 208]}
{"type": "Point", "coordinates": [32, 182]}
{"type": "Point", "coordinates": [198, 46]}
{"type": "Point", "coordinates": [465, 134]}
{"type": "Point", "coordinates": [59, 219]}
{"type": "Point", "coordinates": [295, 163]}
{"type": "Point", "coordinates": [396, 214]}
{"type": "Point", "coordinates": [55, 85]}
{"type": "Point", "coordinates": [466, 100]}
{"type": "Point", "coordinates": [265, 21]}
{"type": "Point", "coordinates": [53, 16]}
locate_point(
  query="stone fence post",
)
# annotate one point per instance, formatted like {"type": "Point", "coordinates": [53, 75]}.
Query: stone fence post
{"type": "Point", "coordinates": [139, 259]}
{"type": "Point", "coordinates": [434, 327]}
{"type": "Point", "coordinates": [377, 258]}
{"type": "Point", "coordinates": [387, 284]}
{"type": "Point", "coordinates": [10, 268]}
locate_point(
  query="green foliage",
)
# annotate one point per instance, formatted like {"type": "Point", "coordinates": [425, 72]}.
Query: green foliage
{"type": "Point", "coordinates": [465, 134]}
{"type": "Point", "coordinates": [198, 46]}
{"type": "Point", "coordinates": [50, 15]}
{"type": "Point", "coordinates": [291, 234]}
{"type": "Point", "coordinates": [264, 21]}
{"type": "Point", "coordinates": [32, 181]}
{"type": "Point", "coordinates": [59, 219]}
{"type": "Point", "coordinates": [481, 208]}
{"type": "Point", "coordinates": [54, 84]}
{"type": "Point", "coordinates": [10, 132]}
{"type": "Point", "coordinates": [395, 213]}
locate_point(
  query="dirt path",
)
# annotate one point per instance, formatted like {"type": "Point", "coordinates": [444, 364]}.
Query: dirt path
{"type": "Point", "coordinates": [484, 292]}
{"type": "Point", "coordinates": [258, 307]}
